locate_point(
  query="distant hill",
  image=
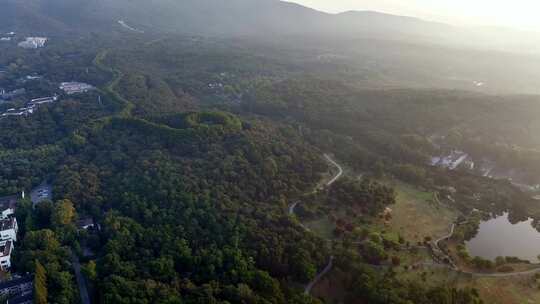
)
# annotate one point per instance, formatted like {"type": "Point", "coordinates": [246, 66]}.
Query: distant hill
{"type": "Point", "coordinates": [253, 18]}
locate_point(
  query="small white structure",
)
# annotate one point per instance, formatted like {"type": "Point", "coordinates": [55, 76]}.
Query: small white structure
{"type": "Point", "coordinates": [33, 42]}
{"type": "Point", "coordinates": [7, 206]}
{"type": "Point", "coordinates": [85, 223]}
{"type": "Point", "coordinates": [75, 87]}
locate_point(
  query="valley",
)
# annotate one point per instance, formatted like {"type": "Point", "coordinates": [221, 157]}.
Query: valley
{"type": "Point", "coordinates": [250, 161]}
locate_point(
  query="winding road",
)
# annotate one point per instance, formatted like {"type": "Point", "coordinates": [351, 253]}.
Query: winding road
{"type": "Point", "coordinates": [330, 264]}
{"type": "Point", "coordinates": [319, 276]}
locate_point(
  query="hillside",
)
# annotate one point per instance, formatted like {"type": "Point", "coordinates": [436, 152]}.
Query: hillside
{"type": "Point", "coordinates": [246, 18]}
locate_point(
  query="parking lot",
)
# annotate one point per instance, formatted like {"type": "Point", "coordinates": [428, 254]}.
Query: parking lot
{"type": "Point", "coordinates": [41, 193]}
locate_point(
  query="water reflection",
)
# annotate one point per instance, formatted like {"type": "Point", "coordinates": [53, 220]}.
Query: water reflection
{"type": "Point", "coordinates": [500, 237]}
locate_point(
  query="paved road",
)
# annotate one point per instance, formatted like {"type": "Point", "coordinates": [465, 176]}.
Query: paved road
{"type": "Point", "coordinates": [321, 274]}
{"type": "Point", "coordinates": [81, 282]}
{"type": "Point", "coordinates": [502, 275]}
{"type": "Point", "coordinates": [480, 274]}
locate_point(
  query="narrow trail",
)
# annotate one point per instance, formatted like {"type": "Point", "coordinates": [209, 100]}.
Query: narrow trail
{"type": "Point", "coordinates": [340, 170]}
{"type": "Point", "coordinates": [328, 184]}
{"type": "Point", "coordinates": [330, 264]}
{"type": "Point", "coordinates": [291, 208]}
{"type": "Point", "coordinates": [446, 237]}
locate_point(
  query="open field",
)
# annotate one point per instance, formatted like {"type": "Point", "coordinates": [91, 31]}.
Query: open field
{"type": "Point", "coordinates": [417, 215]}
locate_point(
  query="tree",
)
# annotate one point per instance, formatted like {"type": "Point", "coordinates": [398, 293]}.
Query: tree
{"type": "Point", "coordinates": [63, 213]}
{"type": "Point", "coordinates": [373, 252]}
{"type": "Point", "coordinates": [40, 284]}
{"type": "Point", "coordinates": [90, 271]}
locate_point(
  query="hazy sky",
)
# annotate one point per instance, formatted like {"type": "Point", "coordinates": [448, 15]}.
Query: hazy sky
{"type": "Point", "coordinates": [514, 13]}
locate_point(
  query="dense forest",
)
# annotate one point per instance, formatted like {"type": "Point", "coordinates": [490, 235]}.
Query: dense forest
{"type": "Point", "coordinates": [192, 150]}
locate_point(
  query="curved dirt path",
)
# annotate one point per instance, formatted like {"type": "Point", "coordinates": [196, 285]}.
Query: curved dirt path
{"type": "Point", "coordinates": [328, 184]}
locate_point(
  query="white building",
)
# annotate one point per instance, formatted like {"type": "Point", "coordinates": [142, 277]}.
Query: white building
{"type": "Point", "coordinates": [6, 248]}
{"type": "Point", "coordinates": [85, 223]}
{"type": "Point", "coordinates": [33, 42]}
{"type": "Point", "coordinates": [43, 100]}
{"type": "Point", "coordinates": [75, 87]}
{"type": "Point", "coordinates": [8, 229]}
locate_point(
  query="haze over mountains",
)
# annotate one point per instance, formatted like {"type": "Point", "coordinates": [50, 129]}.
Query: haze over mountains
{"type": "Point", "coordinates": [375, 49]}
{"type": "Point", "coordinates": [247, 18]}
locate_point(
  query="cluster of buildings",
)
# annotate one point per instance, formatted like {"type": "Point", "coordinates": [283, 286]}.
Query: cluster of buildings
{"type": "Point", "coordinates": [30, 106]}
{"type": "Point", "coordinates": [33, 42]}
{"type": "Point", "coordinates": [75, 87]}
{"type": "Point", "coordinates": [8, 230]}
{"type": "Point", "coordinates": [18, 290]}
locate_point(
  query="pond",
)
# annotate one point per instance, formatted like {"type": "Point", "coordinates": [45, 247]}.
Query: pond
{"type": "Point", "coordinates": [498, 237]}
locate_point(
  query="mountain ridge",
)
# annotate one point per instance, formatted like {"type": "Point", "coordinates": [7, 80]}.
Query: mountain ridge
{"type": "Point", "coordinates": [246, 18]}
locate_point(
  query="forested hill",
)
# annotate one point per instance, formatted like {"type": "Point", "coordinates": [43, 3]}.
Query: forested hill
{"type": "Point", "coordinates": [190, 185]}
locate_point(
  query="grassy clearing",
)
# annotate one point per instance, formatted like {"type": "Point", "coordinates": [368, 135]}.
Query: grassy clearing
{"type": "Point", "coordinates": [514, 290]}
{"type": "Point", "coordinates": [417, 215]}
{"type": "Point", "coordinates": [510, 290]}
{"type": "Point", "coordinates": [323, 227]}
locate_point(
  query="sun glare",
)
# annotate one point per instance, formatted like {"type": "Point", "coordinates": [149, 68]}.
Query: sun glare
{"type": "Point", "coordinates": [517, 13]}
